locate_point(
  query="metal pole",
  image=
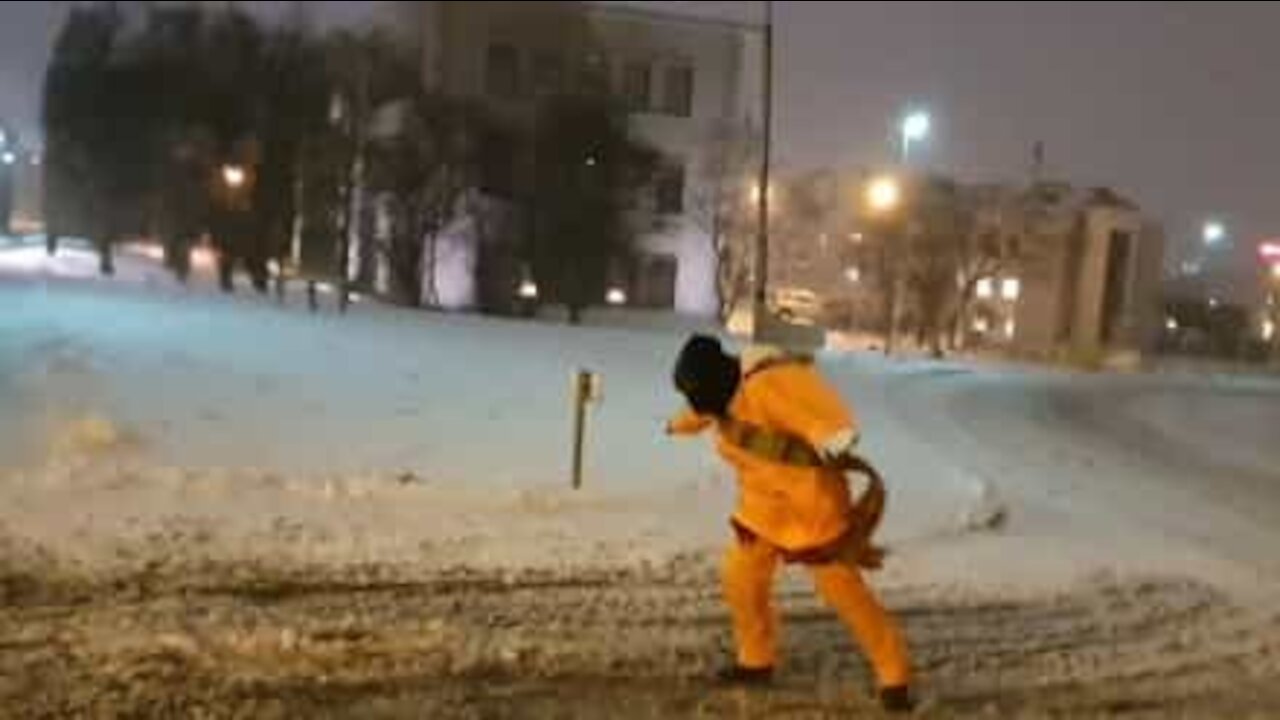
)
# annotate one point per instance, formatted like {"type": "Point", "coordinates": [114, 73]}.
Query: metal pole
{"type": "Point", "coordinates": [581, 395]}
{"type": "Point", "coordinates": [760, 291]}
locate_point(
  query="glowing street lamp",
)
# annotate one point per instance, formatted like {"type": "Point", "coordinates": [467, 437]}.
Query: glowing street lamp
{"type": "Point", "coordinates": [915, 128]}
{"type": "Point", "coordinates": [233, 176]}
{"type": "Point", "coordinates": [754, 196]}
{"type": "Point", "coordinates": [8, 158]}
{"type": "Point", "coordinates": [1213, 232]}
{"type": "Point", "coordinates": [883, 194]}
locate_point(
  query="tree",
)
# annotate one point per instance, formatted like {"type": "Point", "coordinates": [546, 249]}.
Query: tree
{"type": "Point", "coordinates": [365, 72]}
{"type": "Point", "coordinates": [295, 94]}
{"type": "Point", "coordinates": [172, 46]}
{"type": "Point", "coordinates": [722, 208]}
{"type": "Point", "coordinates": [996, 241]}
{"type": "Point", "coordinates": [421, 169]}
{"type": "Point", "coordinates": [935, 258]}
{"type": "Point", "coordinates": [77, 109]}
{"type": "Point", "coordinates": [945, 240]}
{"type": "Point", "coordinates": [497, 231]}
{"type": "Point", "coordinates": [588, 173]}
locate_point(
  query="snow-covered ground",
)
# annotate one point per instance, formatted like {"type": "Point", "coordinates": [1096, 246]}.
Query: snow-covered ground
{"type": "Point", "coordinates": [1113, 531]}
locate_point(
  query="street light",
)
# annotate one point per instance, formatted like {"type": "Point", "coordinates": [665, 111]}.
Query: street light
{"type": "Point", "coordinates": [883, 194]}
{"type": "Point", "coordinates": [233, 176]}
{"type": "Point", "coordinates": [1213, 232]}
{"type": "Point", "coordinates": [8, 158]}
{"type": "Point", "coordinates": [528, 290]}
{"type": "Point", "coordinates": [915, 128]}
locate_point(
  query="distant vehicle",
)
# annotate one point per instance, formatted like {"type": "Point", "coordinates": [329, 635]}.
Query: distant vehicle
{"type": "Point", "coordinates": [797, 305]}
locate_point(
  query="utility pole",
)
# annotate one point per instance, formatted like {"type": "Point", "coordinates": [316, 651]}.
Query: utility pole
{"type": "Point", "coordinates": [760, 291]}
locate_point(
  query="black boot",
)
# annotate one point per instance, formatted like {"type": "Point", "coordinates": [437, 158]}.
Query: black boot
{"type": "Point", "coordinates": [896, 699]}
{"type": "Point", "coordinates": [745, 676]}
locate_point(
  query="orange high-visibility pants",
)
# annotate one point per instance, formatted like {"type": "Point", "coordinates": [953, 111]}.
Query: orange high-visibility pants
{"type": "Point", "coordinates": [748, 573]}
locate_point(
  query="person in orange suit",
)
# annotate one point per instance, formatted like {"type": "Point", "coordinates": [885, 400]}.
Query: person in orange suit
{"type": "Point", "coordinates": [784, 429]}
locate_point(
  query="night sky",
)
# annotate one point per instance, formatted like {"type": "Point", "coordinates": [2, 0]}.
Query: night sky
{"type": "Point", "coordinates": [1174, 104]}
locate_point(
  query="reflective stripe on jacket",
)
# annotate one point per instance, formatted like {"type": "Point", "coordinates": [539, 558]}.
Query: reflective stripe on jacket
{"type": "Point", "coordinates": [794, 506]}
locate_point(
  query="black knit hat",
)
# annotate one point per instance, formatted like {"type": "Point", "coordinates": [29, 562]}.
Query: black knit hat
{"type": "Point", "coordinates": [707, 376]}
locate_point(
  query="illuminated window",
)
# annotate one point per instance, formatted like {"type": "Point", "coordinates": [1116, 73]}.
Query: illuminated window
{"type": "Point", "coordinates": [1011, 288]}
{"type": "Point", "coordinates": [985, 289]}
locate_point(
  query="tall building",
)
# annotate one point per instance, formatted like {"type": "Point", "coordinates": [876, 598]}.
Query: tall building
{"type": "Point", "coordinates": [682, 79]}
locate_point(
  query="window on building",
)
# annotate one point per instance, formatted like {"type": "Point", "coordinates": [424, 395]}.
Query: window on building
{"type": "Point", "coordinates": [497, 164]}
{"type": "Point", "coordinates": [502, 70]}
{"type": "Point", "coordinates": [677, 92]}
{"type": "Point", "coordinates": [548, 73]}
{"type": "Point", "coordinates": [636, 82]}
{"type": "Point", "coordinates": [985, 289]}
{"type": "Point", "coordinates": [595, 74]}
{"type": "Point", "coordinates": [1011, 289]}
{"type": "Point", "coordinates": [669, 189]}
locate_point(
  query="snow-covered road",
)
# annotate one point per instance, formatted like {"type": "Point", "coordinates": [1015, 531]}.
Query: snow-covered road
{"type": "Point", "coordinates": [1161, 473]}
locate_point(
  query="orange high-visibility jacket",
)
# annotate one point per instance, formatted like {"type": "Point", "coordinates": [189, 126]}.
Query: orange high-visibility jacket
{"type": "Point", "coordinates": [792, 507]}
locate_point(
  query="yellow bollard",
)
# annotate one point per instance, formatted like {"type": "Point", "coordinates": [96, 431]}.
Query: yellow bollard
{"type": "Point", "coordinates": [587, 389]}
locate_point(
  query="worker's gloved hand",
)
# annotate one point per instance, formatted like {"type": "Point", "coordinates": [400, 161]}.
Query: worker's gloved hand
{"type": "Point", "coordinates": [839, 445]}
{"type": "Point", "coordinates": [688, 423]}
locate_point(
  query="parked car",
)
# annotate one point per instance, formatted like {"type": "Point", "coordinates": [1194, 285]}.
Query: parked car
{"type": "Point", "coordinates": [797, 305]}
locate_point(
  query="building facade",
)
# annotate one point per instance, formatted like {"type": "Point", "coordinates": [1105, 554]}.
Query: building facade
{"type": "Point", "coordinates": [1089, 283]}
{"type": "Point", "coordinates": [21, 179]}
{"type": "Point", "coordinates": [1050, 270]}
{"type": "Point", "coordinates": [681, 78]}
